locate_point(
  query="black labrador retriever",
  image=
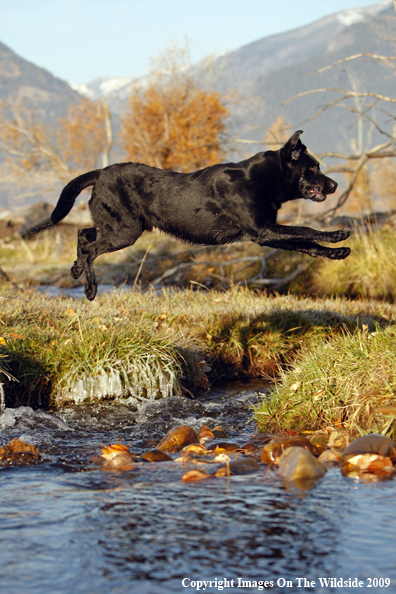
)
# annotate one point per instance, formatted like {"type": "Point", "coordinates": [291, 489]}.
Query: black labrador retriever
{"type": "Point", "coordinates": [216, 205]}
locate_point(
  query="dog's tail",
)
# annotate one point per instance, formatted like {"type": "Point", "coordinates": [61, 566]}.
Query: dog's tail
{"type": "Point", "coordinates": [65, 203]}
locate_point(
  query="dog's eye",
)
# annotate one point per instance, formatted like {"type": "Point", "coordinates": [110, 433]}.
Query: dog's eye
{"type": "Point", "coordinates": [311, 168]}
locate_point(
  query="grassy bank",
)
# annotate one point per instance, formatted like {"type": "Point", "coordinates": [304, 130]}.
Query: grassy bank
{"type": "Point", "coordinates": [369, 272]}
{"type": "Point", "coordinates": [139, 345]}
{"type": "Point", "coordinates": [346, 380]}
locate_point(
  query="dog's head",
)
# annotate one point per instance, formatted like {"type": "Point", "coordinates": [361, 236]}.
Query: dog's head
{"type": "Point", "coordinates": [302, 172]}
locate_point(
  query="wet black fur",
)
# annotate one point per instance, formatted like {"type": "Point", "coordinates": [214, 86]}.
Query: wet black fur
{"type": "Point", "coordinates": [216, 205]}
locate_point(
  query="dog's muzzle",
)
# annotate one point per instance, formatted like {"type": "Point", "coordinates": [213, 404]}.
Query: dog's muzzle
{"type": "Point", "coordinates": [316, 195]}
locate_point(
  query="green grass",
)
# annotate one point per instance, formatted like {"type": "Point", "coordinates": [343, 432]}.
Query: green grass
{"type": "Point", "coordinates": [340, 380]}
{"type": "Point", "coordinates": [369, 272]}
{"type": "Point", "coordinates": [139, 345]}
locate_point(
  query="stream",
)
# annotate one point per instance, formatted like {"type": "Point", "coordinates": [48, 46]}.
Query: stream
{"type": "Point", "coordinates": [68, 527]}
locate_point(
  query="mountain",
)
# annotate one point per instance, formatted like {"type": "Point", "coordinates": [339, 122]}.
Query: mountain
{"type": "Point", "coordinates": [21, 80]}
{"type": "Point", "coordinates": [299, 53]}
{"type": "Point", "coordinates": [268, 72]}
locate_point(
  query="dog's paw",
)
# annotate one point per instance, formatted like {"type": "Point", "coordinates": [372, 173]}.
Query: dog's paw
{"type": "Point", "coordinates": [336, 236]}
{"type": "Point", "coordinates": [339, 253]}
{"type": "Point", "coordinates": [90, 291]}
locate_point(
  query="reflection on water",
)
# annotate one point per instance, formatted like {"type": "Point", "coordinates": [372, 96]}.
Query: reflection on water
{"type": "Point", "coordinates": [65, 529]}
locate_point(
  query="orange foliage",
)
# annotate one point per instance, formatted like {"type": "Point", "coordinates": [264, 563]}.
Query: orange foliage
{"type": "Point", "coordinates": [174, 127]}
{"type": "Point", "coordinates": [81, 134]}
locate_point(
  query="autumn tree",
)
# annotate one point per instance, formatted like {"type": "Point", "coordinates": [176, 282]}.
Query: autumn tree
{"type": "Point", "coordinates": [81, 141]}
{"type": "Point", "coordinates": [173, 122]}
{"type": "Point", "coordinates": [84, 136]}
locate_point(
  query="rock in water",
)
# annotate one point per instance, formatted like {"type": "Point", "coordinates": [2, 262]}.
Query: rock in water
{"type": "Point", "coordinates": [371, 444]}
{"type": "Point", "coordinates": [242, 466]}
{"type": "Point", "coordinates": [18, 452]}
{"type": "Point", "coordinates": [195, 475]}
{"type": "Point", "coordinates": [271, 453]}
{"type": "Point", "coordinates": [156, 456]}
{"type": "Point", "coordinates": [297, 464]}
{"type": "Point", "coordinates": [177, 438]}
{"type": "Point", "coordinates": [370, 458]}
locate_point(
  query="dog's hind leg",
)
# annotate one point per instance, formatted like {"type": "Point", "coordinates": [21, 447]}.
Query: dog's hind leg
{"type": "Point", "coordinates": [85, 237]}
{"type": "Point", "coordinates": [92, 244]}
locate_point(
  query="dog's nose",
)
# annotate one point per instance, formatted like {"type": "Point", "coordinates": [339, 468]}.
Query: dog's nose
{"type": "Point", "coordinates": [332, 185]}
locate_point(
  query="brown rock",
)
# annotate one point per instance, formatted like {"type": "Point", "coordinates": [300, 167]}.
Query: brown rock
{"type": "Point", "coordinates": [271, 453]}
{"type": "Point", "coordinates": [223, 446]}
{"type": "Point", "coordinates": [368, 467]}
{"type": "Point", "coordinates": [116, 457]}
{"type": "Point", "coordinates": [205, 435]}
{"type": "Point", "coordinates": [297, 464]}
{"type": "Point", "coordinates": [251, 448]}
{"type": "Point", "coordinates": [330, 458]}
{"type": "Point", "coordinates": [156, 456]}
{"type": "Point", "coordinates": [121, 462]}
{"type": "Point", "coordinates": [195, 475]}
{"type": "Point", "coordinates": [219, 433]}
{"type": "Point", "coordinates": [18, 452]}
{"type": "Point", "coordinates": [177, 438]}
{"type": "Point", "coordinates": [371, 444]}
{"type": "Point", "coordinates": [242, 466]}
{"type": "Point", "coordinates": [195, 448]}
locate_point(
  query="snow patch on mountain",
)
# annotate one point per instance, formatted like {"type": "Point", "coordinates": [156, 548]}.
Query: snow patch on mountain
{"type": "Point", "coordinates": [349, 17]}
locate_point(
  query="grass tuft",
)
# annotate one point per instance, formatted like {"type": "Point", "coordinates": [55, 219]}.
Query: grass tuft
{"type": "Point", "coordinates": [369, 272]}
{"type": "Point", "coordinates": [340, 380]}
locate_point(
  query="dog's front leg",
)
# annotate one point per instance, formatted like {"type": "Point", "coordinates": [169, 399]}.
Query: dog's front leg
{"type": "Point", "coordinates": [309, 247]}
{"type": "Point", "coordinates": [285, 233]}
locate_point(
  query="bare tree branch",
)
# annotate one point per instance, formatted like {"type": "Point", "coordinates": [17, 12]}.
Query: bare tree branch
{"type": "Point", "coordinates": [354, 57]}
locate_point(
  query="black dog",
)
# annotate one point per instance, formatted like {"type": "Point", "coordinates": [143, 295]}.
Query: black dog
{"type": "Point", "coordinates": [216, 205]}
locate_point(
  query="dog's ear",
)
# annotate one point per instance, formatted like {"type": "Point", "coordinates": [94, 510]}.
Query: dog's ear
{"type": "Point", "coordinates": [293, 147]}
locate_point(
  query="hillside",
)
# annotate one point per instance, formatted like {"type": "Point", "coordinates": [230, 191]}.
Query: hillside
{"type": "Point", "coordinates": [21, 80]}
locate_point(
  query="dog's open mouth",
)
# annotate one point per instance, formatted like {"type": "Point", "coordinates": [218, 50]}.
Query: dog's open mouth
{"type": "Point", "coordinates": [316, 195]}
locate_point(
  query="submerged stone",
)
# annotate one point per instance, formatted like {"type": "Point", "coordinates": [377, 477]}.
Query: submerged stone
{"type": "Point", "coordinates": [205, 435]}
{"type": "Point", "coordinates": [219, 433]}
{"type": "Point", "coordinates": [297, 464]}
{"type": "Point", "coordinates": [116, 457]}
{"type": "Point", "coordinates": [271, 453]}
{"type": "Point", "coordinates": [195, 475]}
{"type": "Point", "coordinates": [177, 438]}
{"type": "Point", "coordinates": [330, 458]}
{"type": "Point", "coordinates": [121, 462]}
{"type": "Point", "coordinates": [242, 466]}
{"type": "Point", "coordinates": [156, 456]}
{"type": "Point", "coordinates": [224, 446]}
{"type": "Point", "coordinates": [371, 444]}
{"type": "Point", "coordinates": [18, 452]}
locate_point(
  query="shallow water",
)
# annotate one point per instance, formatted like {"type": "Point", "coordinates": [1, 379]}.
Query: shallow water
{"type": "Point", "coordinates": [69, 528]}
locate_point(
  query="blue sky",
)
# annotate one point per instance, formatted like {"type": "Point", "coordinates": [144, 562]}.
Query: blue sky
{"type": "Point", "coordinates": [79, 40]}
